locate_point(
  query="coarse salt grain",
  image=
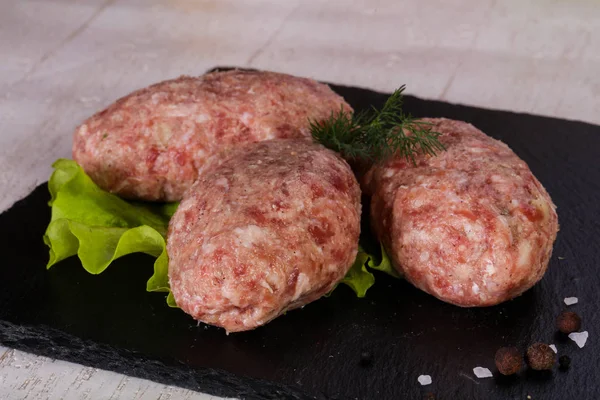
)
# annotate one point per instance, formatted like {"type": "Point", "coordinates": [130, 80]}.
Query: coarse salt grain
{"type": "Point", "coordinates": [553, 347]}
{"type": "Point", "coordinates": [424, 380]}
{"type": "Point", "coordinates": [571, 300]}
{"type": "Point", "coordinates": [579, 337]}
{"type": "Point", "coordinates": [481, 372]}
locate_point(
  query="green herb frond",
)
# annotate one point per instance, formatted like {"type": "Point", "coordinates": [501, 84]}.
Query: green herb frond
{"type": "Point", "coordinates": [375, 135]}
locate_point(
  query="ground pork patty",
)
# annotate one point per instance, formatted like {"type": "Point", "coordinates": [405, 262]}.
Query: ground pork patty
{"type": "Point", "coordinates": [267, 228]}
{"type": "Point", "coordinates": [471, 226]}
{"type": "Point", "coordinates": [150, 144]}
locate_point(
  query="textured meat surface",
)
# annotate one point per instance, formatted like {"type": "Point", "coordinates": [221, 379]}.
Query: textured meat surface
{"type": "Point", "coordinates": [150, 144]}
{"type": "Point", "coordinates": [267, 228]}
{"type": "Point", "coordinates": [471, 226]}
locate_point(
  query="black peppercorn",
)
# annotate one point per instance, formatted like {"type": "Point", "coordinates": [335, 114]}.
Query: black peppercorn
{"type": "Point", "coordinates": [565, 362]}
{"type": "Point", "coordinates": [540, 357]}
{"type": "Point", "coordinates": [509, 360]}
{"type": "Point", "coordinates": [568, 322]}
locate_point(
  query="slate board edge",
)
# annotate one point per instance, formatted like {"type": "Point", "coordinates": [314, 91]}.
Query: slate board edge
{"type": "Point", "coordinates": [49, 342]}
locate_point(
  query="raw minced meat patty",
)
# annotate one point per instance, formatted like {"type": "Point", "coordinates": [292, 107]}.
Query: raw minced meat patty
{"type": "Point", "coordinates": [266, 228]}
{"type": "Point", "coordinates": [471, 226]}
{"type": "Point", "coordinates": [151, 144]}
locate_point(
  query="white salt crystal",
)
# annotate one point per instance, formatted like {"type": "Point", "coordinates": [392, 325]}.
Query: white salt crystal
{"type": "Point", "coordinates": [424, 380]}
{"type": "Point", "coordinates": [481, 372]}
{"type": "Point", "coordinates": [553, 347]}
{"type": "Point", "coordinates": [579, 337]}
{"type": "Point", "coordinates": [571, 300]}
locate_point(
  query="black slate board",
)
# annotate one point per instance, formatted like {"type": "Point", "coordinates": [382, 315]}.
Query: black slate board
{"type": "Point", "coordinates": [109, 321]}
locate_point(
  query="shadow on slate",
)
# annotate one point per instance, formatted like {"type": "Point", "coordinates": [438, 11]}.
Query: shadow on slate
{"type": "Point", "coordinates": [339, 347]}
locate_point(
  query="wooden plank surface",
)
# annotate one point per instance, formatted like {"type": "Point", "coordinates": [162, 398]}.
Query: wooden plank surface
{"type": "Point", "coordinates": [62, 60]}
{"type": "Point", "coordinates": [27, 377]}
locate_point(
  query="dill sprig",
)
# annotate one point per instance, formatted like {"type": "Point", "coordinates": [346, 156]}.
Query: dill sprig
{"type": "Point", "coordinates": [375, 135]}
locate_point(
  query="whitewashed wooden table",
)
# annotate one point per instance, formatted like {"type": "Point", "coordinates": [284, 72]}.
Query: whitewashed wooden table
{"type": "Point", "coordinates": [61, 60]}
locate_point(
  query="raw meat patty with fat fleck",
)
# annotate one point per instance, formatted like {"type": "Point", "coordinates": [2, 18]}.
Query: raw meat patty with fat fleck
{"type": "Point", "coordinates": [151, 144]}
{"type": "Point", "coordinates": [268, 227]}
{"type": "Point", "coordinates": [471, 226]}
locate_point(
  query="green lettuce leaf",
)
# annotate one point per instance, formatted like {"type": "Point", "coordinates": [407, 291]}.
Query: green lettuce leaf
{"type": "Point", "coordinates": [358, 278]}
{"type": "Point", "coordinates": [382, 263]}
{"type": "Point", "coordinates": [100, 227]}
